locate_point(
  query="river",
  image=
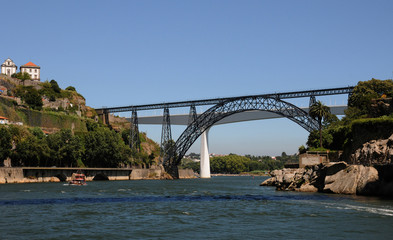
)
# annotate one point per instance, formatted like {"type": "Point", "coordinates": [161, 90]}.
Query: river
{"type": "Point", "coordinates": [225, 207]}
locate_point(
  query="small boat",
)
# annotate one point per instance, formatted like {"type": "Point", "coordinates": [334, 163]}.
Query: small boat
{"type": "Point", "coordinates": [78, 179]}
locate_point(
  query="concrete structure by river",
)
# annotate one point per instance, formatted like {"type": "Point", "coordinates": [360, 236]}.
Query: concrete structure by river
{"type": "Point", "coordinates": [53, 174]}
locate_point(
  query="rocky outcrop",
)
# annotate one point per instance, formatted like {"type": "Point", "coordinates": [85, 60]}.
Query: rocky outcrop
{"type": "Point", "coordinates": [299, 179]}
{"type": "Point", "coordinates": [375, 152]}
{"type": "Point", "coordinates": [340, 178]}
{"type": "Point", "coordinates": [351, 179]}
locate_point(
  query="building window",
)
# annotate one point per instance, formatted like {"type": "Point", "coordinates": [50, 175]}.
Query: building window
{"type": "Point", "coordinates": [35, 70]}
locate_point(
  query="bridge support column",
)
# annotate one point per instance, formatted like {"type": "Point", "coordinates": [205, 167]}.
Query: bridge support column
{"type": "Point", "coordinates": [135, 142]}
{"type": "Point", "coordinates": [205, 160]}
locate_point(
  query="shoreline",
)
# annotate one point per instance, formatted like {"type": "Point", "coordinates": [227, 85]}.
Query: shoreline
{"type": "Point", "coordinates": [335, 177]}
{"type": "Point", "coordinates": [39, 175]}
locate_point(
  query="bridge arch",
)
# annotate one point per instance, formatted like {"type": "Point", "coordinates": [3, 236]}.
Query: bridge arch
{"type": "Point", "coordinates": [230, 107]}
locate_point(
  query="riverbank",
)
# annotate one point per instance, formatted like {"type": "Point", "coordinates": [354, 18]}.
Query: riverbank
{"type": "Point", "coordinates": [38, 175]}
{"type": "Point", "coordinates": [340, 178]}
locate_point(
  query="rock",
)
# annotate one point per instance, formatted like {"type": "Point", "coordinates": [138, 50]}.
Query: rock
{"type": "Point", "coordinates": [343, 181]}
{"type": "Point", "coordinates": [307, 187]}
{"type": "Point", "coordinates": [288, 178]}
{"type": "Point", "coordinates": [269, 182]}
{"type": "Point", "coordinates": [368, 181]}
{"type": "Point", "coordinates": [333, 168]}
{"type": "Point", "coordinates": [374, 152]}
{"type": "Point", "coordinates": [355, 179]}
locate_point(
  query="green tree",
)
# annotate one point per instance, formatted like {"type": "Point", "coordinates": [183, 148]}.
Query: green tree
{"type": "Point", "coordinates": [230, 164]}
{"type": "Point", "coordinates": [360, 102]}
{"type": "Point", "coordinates": [37, 132]}
{"type": "Point", "coordinates": [105, 148]}
{"type": "Point", "coordinates": [71, 88]}
{"type": "Point", "coordinates": [66, 150]}
{"type": "Point", "coordinates": [319, 112]}
{"type": "Point", "coordinates": [22, 76]}
{"type": "Point", "coordinates": [31, 96]}
{"type": "Point", "coordinates": [55, 86]}
{"type": "Point", "coordinates": [30, 152]}
{"type": "Point", "coordinates": [5, 143]}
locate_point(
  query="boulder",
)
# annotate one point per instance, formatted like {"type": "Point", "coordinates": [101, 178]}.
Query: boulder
{"type": "Point", "coordinates": [343, 181]}
{"type": "Point", "coordinates": [374, 152]}
{"type": "Point", "coordinates": [269, 182]}
{"type": "Point", "coordinates": [354, 179]}
{"type": "Point", "coordinates": [307, 187]}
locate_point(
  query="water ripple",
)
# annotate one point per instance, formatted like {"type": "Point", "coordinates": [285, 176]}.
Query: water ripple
{"type": "Point", "coordinates": [186, 198]}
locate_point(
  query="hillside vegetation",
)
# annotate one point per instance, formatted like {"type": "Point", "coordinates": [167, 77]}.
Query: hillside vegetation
{"type": "Point", "coordinates": [53, 127]}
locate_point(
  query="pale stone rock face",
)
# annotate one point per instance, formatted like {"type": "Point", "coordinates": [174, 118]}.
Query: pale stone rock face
{"type": "Point", "coordinates": [367, 177]}
{"type": "Point", "coordinates": [269, 182]}
{"type": "Point", "coordinates": [374, 152]}
{"type": "Point", "coordinates": [288, 178]}
{"type": "Point", "coordinates": [344, 181]}
{"type": "Point", "coordinates": [355, 179]}
{"type": "Point", "coordinates": [307, 187]}
{"type": "Point", "coordinates": [338, 178]}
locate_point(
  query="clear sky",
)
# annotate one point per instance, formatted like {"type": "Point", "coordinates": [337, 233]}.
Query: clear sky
{"type": "Point", "coordinates": [119, 53]}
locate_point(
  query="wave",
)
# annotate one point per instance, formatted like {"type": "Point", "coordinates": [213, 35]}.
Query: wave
{"type": "Point", "coordinates": [375, 210]}
{"type": "Point", "coordinates": [183, 198]}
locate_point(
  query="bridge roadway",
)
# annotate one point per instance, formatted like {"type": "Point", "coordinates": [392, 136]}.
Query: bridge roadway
{"type": "Point", "coordinates": [214, 101]}
{"type": "Point", "coordinates": [182, 119]}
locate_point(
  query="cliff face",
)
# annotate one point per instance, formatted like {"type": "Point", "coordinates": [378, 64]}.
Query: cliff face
{"type": "Point", "coordinates": [375, 152]}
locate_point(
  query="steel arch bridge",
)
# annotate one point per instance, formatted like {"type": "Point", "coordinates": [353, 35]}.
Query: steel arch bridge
{"type": "Point", "coordinates": [224, 109]}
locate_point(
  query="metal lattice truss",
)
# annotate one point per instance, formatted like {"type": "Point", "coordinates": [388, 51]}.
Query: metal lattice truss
{"type": "Point", "coordinates": [135, 142]}
{"type": "Point", "coordinates": [283, 95]}
{"type": "Point", "coordinates": [230, 107]}
{"type": "Point", "coordinates": [166, 136]}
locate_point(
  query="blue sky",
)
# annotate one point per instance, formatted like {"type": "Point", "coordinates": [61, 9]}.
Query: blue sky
{"type": "Point", "coordinates": [137, 52]}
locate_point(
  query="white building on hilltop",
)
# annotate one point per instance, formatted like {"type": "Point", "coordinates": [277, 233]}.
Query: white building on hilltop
{"type": "Point", "coordinates": [8, 67]}
{"type": "Point", "coordinates": [31, 69]}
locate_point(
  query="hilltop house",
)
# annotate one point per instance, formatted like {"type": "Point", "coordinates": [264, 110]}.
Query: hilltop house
{"type": "Point", "coordinates": [8, 67]}
{"type": "Point", "coordinates": [3, 120]}
{"type": "Point", "coordinates": [31, 69]}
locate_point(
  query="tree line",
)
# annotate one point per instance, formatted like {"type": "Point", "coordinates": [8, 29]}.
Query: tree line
{"type": "Point", "coordinates": [98, 147]}
{"type": "Point", "coordinates": [235, 164]}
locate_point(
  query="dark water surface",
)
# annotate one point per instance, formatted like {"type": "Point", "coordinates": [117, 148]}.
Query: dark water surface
{"type": "Point", "coordinates": [216, 208]}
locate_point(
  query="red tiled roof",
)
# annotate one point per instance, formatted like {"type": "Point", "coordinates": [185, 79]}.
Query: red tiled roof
{"type": "Point", "coordinates": [3, 117]}
{"type": "Point", "coordinates": [30, 64]}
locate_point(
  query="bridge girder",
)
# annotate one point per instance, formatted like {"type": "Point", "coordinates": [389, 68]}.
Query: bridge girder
{"type": "Point", "coordinates": [230, 107]}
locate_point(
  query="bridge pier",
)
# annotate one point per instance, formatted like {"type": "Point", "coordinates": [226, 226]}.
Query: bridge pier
{"type": "Point", "coordinates": [205, 160]}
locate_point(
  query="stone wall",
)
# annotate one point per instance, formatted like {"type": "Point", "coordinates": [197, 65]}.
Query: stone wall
{"type": "Point", "coordinates": [307, 159]}
{"type": "Point", "coordinates": [159, 173]}
{"type": "Point", "coordinates": [31, 174]}
{"type": "Point", "coordinates": [11, 175]}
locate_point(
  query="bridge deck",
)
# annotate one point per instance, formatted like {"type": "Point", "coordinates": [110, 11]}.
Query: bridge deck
{"type": "Point", "coordinates": [239, 117]}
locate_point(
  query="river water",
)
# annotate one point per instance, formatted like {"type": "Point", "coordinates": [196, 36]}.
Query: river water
{"type": "Point", "coordinates": [217, 208]}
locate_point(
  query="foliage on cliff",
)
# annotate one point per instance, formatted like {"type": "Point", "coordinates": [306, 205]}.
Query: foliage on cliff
{"type": "Point", "coordinates": [93, 145]}
{"type": "Point", "coordinates": [368, 93]}
{"type": "Point", "coordinates": [100, 147]}
{"type": "Point", "coordinates": [369, 116]}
